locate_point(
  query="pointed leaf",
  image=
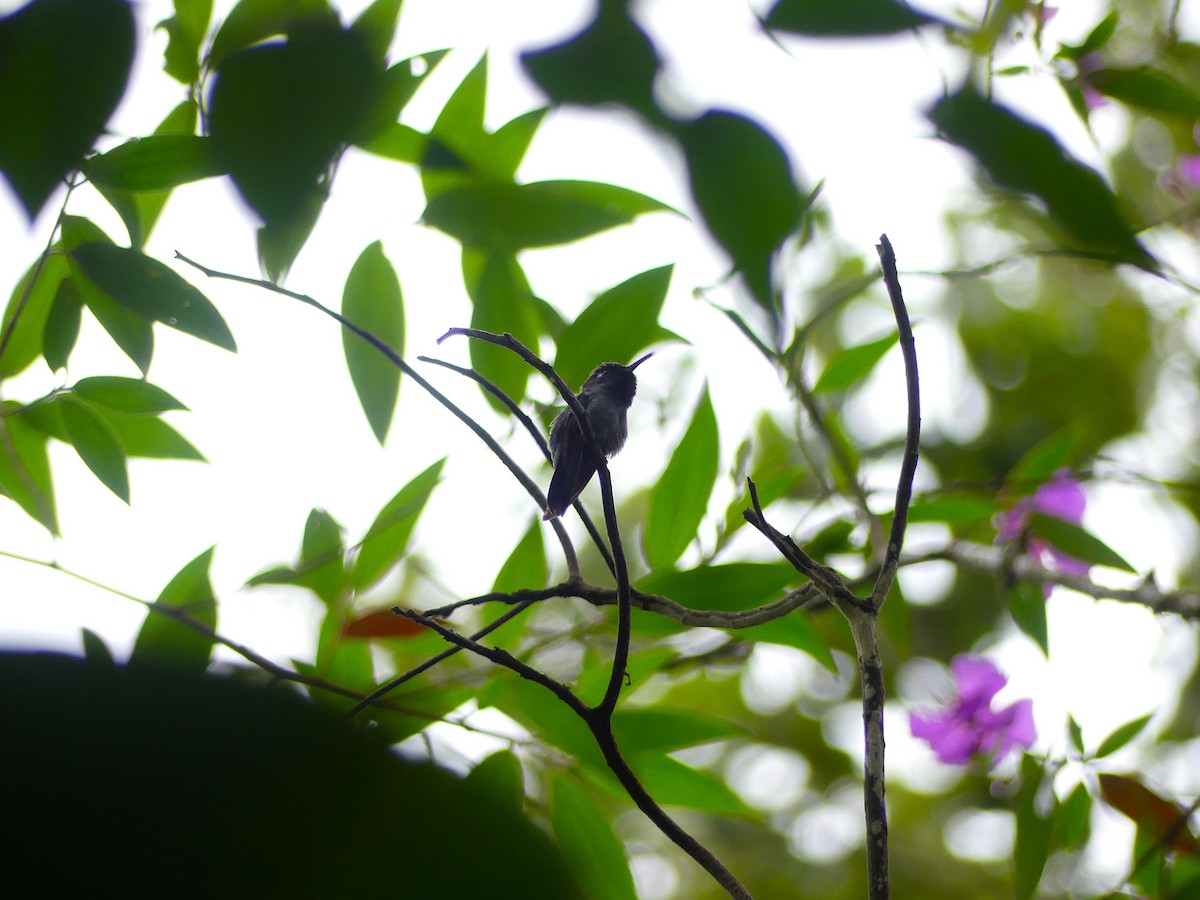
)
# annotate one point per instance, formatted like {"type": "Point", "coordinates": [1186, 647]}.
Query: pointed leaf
{"type": "Point", "coordinates": [387, 538]}
{"type": "Point", "coordinates": [666, 730]}
{"type": "Point", "coordinates": [377, 25]}
{"type": "Point", "coordinates": [140, 210]}
{"type": "Point", "coordinates": [95, 650]}
{"type": "Point", "coordinates": [1027, 606]}
{"type": "Point", "coordinates": [500, 776]}
{"type": "Point", "coordinates": [853, 364]}
{"type": "Point", "coordinates": [1032, 846]}
{"type": "Point", "coordinates": [96, 444]}
{"type": "Point", "coordinates": [1077, 543]}
{"type": "Point", "coordinates": [541, 214]}
{"type": "Point", "coordinates": [1121, 736]}
{"type": "Point", "coordinates": [130, 330]}
{"type": "Point", "coordinates": [129, 395]}
{"type": "Point", "coordinates": [148, 437]}
{"type": "Point", "coordinates": [1075, 816]}
{"type": "Point", "coordinates": [1025, 158]}
{"type": "Point", "coordinates": [845, 18]}
{"type": "Point", "coordinates": [617, 325]}
{"type": "Point", "coordinates": [1041, 461]}
{"type": "Point", "coordinates": [66, 63]}
{"type": "Point", "coordinates": [25, 468]}
{"type": "Point", "coordinates": [501, 302]}
{"type": "Point", "coordinates": [742, 180]}
{"type": "Point", "coordinates": [62, 325]}
{"type": "Point", "coordinates": [680, 498]}
{"type": "Point", "coordinates": [1147, 88]}
{"type": "Point", "coordinates": [398, 85]}
{"type": "Point", "coordinates": [526, 565]}
{"type": "Point", "coordinates": [163, 641]}
{"type": "Point", "coordinates": [154, 163]}
{"type": "Point", "coordinates": [31, 302]}
{"type": "Point", "coordinates": [952, 507]}
{"type": "Point", "coordinates": [590, 846]}
{"type": "Point", "coordinates": [672, 783]}
{"type": "Point", "coordinates": [1076, 735]}
{"type": "Point", "coordinates": [611, 61]}
{"type": "Point", "coordinates": [185, 35]}
{"type": "Point", "coordinates": [153, 290]}
{"type": "Point", "coordinates": [372, 300]}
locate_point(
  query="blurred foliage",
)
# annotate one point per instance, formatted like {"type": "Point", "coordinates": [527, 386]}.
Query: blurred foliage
{"type": "Point", "coordinates": [1054, 299]}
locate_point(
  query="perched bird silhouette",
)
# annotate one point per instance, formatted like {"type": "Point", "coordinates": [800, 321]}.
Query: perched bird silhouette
{"type": "Point", "coordinates": [606, 396]}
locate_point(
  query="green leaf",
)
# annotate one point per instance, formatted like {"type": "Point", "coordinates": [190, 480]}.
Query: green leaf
{"type": "Point", "coordinates": [1097, 38]}
{"type": "Point", "coordinates": [154, 163]}
{"type": "Point", "coordinates": [165, 642]}
{"type": "Point", "coordinates": [502, 302]}
{"type": "Point", "coordinates": [128, 395]}
{"type": "Point", "coordinates": [742, 181]}
{"type": "Point", "coordinates": [130, 330]}
{"type": "Point", "coordinates": [148, 437]}
{"type": "Point", "coordinates": [280, 241]}
{"type": "Point", "coordinates": [672, 783]}
{"type": "Point", "coordinates": [853, 364]}
{"type": "Point", "coordinates": [66, 63]}
{"type": "Point", "coordinates": [1032, 846]}
{"type": "Point", "coordinates": [95, 650]}
{"type": "Point", "coordinates": [1022, 157]}
{"type": "Point", "coordinates": [140, 210]}
{"type": "Point", "coordinates": [1077, 543]}
{"type": "Point", "coordinates": [398, 141]}
{"type": "Point", "coordinates": [526, 566]}
{"type": "Point", "coordinates": [387, 538]}
{"type": "Point", "coordinates": [590, 846]}
{"type": "Point", "coordinates": [617, 325]}
{"type": "Point", "coordinates": [542, 214]}
{"type": "Point", "coordinates": [31, 303]}
{"type": "Point", "coordinates": [322, 556]}
{"type": "Point", "coordinates": [280, 113]}
{"type": "Point", "coordinates": [845, 18]}
{"type": "Point", "coordinates": [680, 498]}
{"type": "Point", "coordinates": [251, 21]}
{"type": "Point", "coordinates": [1041, 461]}
{"type": "Point", "coordinates": [611, 61]}
{"type": "Point", "coordinates": [1076, 735]}
{"type": "Point", "coordinates": [1027, 606]}
{"type": "Point", "coordinates": [1075, 818]}
{"type": "Point", "coordinates": [952, 507]}
{"type": "Point", "coordinates": [510, 142]}
{"type": "Point", "coordinates": [729, 586]}
{"type": "Point", "coordinates": [1121, 736]}
{"type": "Point", "coordinates": [62, 325]}
{"type": "Point", "coordinates": [658, 731]}
{"type": "Point", "coordinates": [185, 35]}
{"type": "Point", "coordinates": [372, 300]}
{"type": "Point", "coordinates": [25, 468]}
{"type": "Point", "coordinates": [1147, 88]}
{"type": "Point", "coordinates": [377, 25]}
{"type": "Point", "coordinates": [398, 85]}
{"type": "Point", "coordinates": [500, 776]}
{"type": "Point", "coordinates": [96, 444]}
{"type": "Point", "coordinates": [153, 290]}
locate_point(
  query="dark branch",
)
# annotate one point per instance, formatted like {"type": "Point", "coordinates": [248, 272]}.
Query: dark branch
{"type": "Point", "coordinates": [912, 437]}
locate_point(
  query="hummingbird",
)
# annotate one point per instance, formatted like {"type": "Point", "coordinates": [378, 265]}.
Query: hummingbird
{"type": "Point", "coordinates": [606, 396]}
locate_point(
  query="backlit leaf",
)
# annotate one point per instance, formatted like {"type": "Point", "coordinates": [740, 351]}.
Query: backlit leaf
{"type": "Point", "coordinates": [387, 538]}
{"type": "Point", "coordinates": [165, 642]}
{"type": "Point", "coordinates": [1076, 542]}
{"type": "Point", "coordinates": [845, 18]}
{"type": "Point", "coordinates": [96, 443]}
{"type": "Point", "coordinates": [590, 846]}
{"type": "Point", "coordinates": [373, 301]}
{"type": "Point", "coordinates": [680, 498]}
{"type": "Point", "coordinates": [853, 364]}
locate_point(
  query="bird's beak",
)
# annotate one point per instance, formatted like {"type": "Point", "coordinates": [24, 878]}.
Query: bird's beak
{"type": "Point", "coordinates": [637, 362]}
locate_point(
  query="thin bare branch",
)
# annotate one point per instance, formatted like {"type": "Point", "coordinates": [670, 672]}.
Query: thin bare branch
{"type": "Point", "coordinates": [912, 436]}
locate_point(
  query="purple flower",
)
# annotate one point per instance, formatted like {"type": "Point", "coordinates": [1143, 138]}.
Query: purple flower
{"type": "Point", "coordinates": [968, 726]}
{"type": "Point", "coordinates": [1061, 497]}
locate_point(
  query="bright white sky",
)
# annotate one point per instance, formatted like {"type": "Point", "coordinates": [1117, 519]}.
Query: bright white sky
{"type": "Point", "coordinates": [280, 424]}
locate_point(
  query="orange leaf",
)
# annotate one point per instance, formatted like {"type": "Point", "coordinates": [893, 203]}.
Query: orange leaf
{"type": "Point", "coordinates": [1152, 813]}
{"type": "Point", "coordinates": [383, 623]}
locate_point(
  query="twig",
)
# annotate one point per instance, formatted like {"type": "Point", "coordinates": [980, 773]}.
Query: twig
{"type": "Point", "coordinates": [912, 436]}
{"type": "Point", "coordinates": [391, 684]}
